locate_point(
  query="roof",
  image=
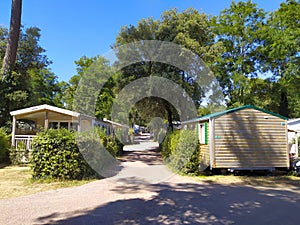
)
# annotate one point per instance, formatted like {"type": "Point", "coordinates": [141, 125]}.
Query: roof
{"type": "Point", "coordinates": [218, 114]}
{"type": "Point", "coordinates": [293, 121]}
{"type": "Point", "coordinates": [44, 107]}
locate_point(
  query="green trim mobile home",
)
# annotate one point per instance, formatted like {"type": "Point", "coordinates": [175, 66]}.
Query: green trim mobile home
{"type": "Point", "coordinates": [246, 137]}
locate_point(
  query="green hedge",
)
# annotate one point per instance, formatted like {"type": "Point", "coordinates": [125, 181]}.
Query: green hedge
{"type": "Point", "coordinates": [181, 149]}
{"type": "Point", "coordinates": [55, 155]}
{"type": "Point", "coordinates": [111, 143]}
{"type": "Point", "coordinates": [4, 145]}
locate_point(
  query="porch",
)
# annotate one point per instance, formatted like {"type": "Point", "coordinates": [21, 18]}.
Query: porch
{"type": "Point", "coordinates": [29, 121]}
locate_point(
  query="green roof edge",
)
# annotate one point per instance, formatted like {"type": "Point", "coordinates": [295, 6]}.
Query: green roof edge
{"type": "Point", "coordinates": [218, 114]}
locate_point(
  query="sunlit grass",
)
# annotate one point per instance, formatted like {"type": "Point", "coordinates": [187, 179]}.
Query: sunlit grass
{"type": "Point", "coordinates": [264, 181]}
{"type": "Point", "coordinates": [16, 181]}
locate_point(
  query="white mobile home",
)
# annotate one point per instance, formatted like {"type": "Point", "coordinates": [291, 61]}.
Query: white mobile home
{"type": "Point", "coordinates": [28, 121]}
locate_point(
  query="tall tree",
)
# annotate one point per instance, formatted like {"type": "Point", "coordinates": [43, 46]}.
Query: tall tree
{"type": "Point", "coordinates": [282, 55]}
{"type": "Point", "coordinates": [77, 84]}
{"type": "Point", "coordinates": [238, 28]}
{"type": "Point", "coordinates": [13, 40]}
{"type": "Point", "coordinates": [23, 84]}
{"type": "Point", "coordinates": [189, 29]}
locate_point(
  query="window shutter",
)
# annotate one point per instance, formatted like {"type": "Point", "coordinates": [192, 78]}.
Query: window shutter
{"type": "Point", "coordinates": [206, 132]}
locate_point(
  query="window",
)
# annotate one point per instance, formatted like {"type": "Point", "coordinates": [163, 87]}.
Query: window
{"type": "Point", "coordinates": [74, 126]}
{"type": "Point", "coordinates": [64, 125]}
{"type": "Point", "coordinates": [53, 125]}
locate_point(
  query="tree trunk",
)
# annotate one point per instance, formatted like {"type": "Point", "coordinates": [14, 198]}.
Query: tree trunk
{"type": "Point", "coordinates": [170, 119]}
{"type": "Point", "coordinates": [13, 39]}
{"type": "Point", "coordinates": [284, 104]}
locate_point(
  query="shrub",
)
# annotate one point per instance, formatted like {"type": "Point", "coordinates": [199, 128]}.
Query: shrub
{"type": "Point", "coordinates": [55, 155]}
{"type": "Point", "coordinates": [19, 154]}
{"type": "Point", "coordinates": [169, 144]}
{"type": "Point", "coordinates": [180, 150]}
{"type": "Point", "coordinates": [100, 150]}
{"type": "Point", "coordinates": [4, 145]}
{"type": "Point", "coordinates": [111, 144]}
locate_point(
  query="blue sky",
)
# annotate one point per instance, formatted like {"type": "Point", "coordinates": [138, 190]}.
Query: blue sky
{"type": "Point", "coordinates": [73, 28]}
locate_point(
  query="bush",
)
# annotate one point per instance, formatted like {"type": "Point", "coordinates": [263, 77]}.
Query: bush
{"type": "Point", "coordinates": [55, 155]}
{"type": "Point", "coordinates": [19, 154]}
{"type": "Point", "coordinates": [111, 144]}
{"type": "Point", "coordinates": [100, 150]}
{"type": "Point", "coordinates": [181, 150]}
{"type": "Point", "coordinates": [4, 145]}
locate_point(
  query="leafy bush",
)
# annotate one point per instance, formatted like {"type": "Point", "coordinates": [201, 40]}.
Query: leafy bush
{"type": "Point", "coordinates": [55, 154]}
{"type": "Point", "coordinates": [180, 150]}
{"type": "Point", "coordinates": [19, 154]}
{"type": "Point", "coordinates": [100, 150]}
{"type": "Point", "coordinates": [111, 144]}
{"type": "Point", "coordinates": [169, 144]}
{"type": "Point", "coordinates": [4, 145]}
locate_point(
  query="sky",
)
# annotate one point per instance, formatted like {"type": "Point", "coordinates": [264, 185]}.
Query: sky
{"type": "Point", "coordinates": [71, 29]}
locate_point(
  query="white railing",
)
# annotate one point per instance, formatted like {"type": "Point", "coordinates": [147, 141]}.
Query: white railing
{"type": "Point", "coordinates": [26, 139]}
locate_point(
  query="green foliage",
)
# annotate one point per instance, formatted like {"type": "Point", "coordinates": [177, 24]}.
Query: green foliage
{"type": "Point", "coordinates": [181, 150]}
{"type": "Point", "coordinates": [55, 154]}
{"type": "Point", "coordinates": [257, 43]}
{"type": "Point", "coordinates": [19, 154]}
{"type": "Point", "coordinates": [237, 28]}
{"type": "Point", "coordinates": [169, 144]}
{"type": "Point", "coordinates": [91, 72]}
{"type": "Point", "coordinates": [111, 144]}
{"type": "Point", "coordinates": [281, 51]}
{"type": "Point", "coordinates": [30, 82]}
{"type": "Point", "coordinates": [131, 135]}
{"type": "Point", "coordinates": [4, 145]}
{"type": "Point", "coordinates": [191, 30]}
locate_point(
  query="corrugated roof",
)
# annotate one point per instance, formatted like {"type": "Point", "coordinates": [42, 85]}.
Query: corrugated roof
{"type": "Point", "coordinates": [218, 114]}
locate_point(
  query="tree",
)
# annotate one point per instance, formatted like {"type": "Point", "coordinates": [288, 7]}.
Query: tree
{"type": "Point", "coordinates": [282, 54]}
{"type": "Point", "coordinates": [44, 87]}
{"type": "Point", "coordinates": [238, 28]}
{"type": "Point", "coordinates": [76, 85]}
{"type": "Point", "coordinates": [13, 40]}
{"type": "Point", "coordinates": [30, 81]}
{"type": "Point", "coordinates": [189, 29]}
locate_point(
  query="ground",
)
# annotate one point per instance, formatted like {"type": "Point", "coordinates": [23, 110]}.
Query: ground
{"type": "Point", "coordinates": [146, 192]}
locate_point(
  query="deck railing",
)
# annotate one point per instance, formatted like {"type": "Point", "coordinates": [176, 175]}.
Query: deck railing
{"type": "Point", "coordinates": [25, 139]}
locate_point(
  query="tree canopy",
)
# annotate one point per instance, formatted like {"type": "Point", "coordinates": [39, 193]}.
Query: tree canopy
{"type": "Point", "coordinates": [254, 55]}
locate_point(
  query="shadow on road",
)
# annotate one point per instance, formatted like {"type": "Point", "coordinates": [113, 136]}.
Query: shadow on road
{"type": "Point", "coordinates": [190, 203]}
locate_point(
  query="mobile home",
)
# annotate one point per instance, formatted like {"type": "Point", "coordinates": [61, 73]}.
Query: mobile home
{"type": "Point", "coordinates": [246, 137]}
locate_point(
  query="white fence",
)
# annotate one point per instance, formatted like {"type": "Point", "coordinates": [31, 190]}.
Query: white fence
{"type": "Point", "coordinates": [25, 139]}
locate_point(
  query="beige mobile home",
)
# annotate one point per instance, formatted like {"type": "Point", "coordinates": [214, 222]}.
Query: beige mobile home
{"type": "Point", "coordinates": [242, 138]}
{"type": "Point", "coordinates": [28, 121]}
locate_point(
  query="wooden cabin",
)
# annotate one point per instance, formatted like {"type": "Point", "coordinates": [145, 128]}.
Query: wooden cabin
{"type": "Point", "coordinates": [27, 122]}
{"type": "Point", "coordinates": [243, 138]}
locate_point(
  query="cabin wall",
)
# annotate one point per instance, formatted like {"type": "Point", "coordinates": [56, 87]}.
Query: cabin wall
{"type": "Point", "coordinates": [250, 139]}
{"type": "Point", "coordinates": [86, 124]}
{"type": "Point", "coordinates": [204, 155]}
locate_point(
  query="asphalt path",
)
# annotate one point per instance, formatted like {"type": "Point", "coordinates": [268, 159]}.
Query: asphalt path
{"type": "Point", "coordinates": [146, 192]}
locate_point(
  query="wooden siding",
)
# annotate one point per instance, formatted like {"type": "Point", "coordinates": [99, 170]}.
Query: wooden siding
{"type": "Point", "coordinates": [204, 155]}
{"type": "Point", "coordinates": [250, 138]}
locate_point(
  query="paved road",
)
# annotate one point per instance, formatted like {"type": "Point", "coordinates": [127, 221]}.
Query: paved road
{"type": "Point", "coordinates": [145, 192]}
